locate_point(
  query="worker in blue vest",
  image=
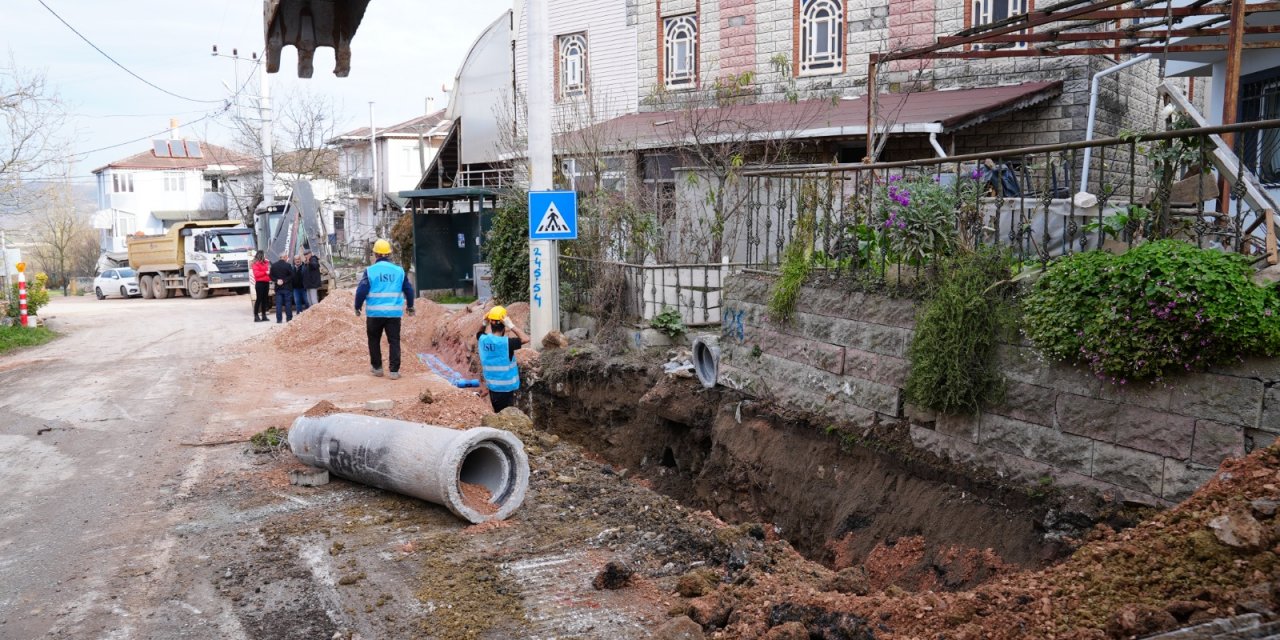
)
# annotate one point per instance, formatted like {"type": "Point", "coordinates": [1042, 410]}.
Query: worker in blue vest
{"type": "Point", "coordinates": [388, 291]}
{"type": "Point", "coordinates": [498, 357]}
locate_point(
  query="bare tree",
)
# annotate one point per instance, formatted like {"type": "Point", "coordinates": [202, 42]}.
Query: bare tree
{"type": "Point", "coordinates": [723, 130]}
{"type": "Point", "coordinates": [304, 122]}
{"type": "Point", "coordinates": [31, 118]}
{"type": "Point", "coordinates": [61, 231]}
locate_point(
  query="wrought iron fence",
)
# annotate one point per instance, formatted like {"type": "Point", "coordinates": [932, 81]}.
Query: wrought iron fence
{"type": "Point", "coordinates": [1039, 202]}
{"type": "Point", "coordinates": [641, 292]}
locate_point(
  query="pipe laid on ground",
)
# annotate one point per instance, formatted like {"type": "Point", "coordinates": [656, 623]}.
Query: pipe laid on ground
{"type": "Point", "coordinates": [418, 460]}
{"type": "Point", "coordinates": [706, 360]}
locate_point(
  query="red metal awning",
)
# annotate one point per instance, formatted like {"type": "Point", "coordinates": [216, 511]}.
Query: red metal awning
{"type": "Point", "coordinates": [922, 112]}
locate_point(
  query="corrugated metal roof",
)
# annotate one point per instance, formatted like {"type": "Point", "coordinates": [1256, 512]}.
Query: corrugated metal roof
{"type": "Point", "coordinates": [429, 124]}
{"type": "Point", "coordinates": [921, 112]}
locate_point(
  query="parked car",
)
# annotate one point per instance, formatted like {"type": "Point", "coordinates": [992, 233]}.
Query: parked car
{"type": "Point", "coordinates": [123, 282]}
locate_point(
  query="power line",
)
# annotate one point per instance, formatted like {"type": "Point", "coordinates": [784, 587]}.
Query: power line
{"type": "Point", "coordinates": [115, 62]}
{"type": "Point", "coordinates": [226, 106]}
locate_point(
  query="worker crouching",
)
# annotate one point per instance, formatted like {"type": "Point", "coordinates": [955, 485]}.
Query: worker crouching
{"type": "Point", "coordinates": [498, 357]}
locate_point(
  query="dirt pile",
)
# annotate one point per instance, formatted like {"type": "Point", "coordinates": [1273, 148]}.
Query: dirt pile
{"type": "Point", "coordinates": [1215, 555]}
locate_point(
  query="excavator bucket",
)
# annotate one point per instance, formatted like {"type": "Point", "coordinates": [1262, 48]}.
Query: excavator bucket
{"type": "Point", "coordinates": [307, 24]}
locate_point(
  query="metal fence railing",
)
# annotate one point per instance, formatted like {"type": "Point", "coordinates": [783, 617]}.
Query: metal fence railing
{"type": "Point", "coordinates": [1039, 202]}
{"type": "Point", "coordinates": [641, 292]}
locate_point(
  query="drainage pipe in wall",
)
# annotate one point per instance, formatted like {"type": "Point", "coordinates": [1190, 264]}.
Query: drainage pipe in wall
{"type": "Point", "coordinates": [706, 359]}
{"type": "Point", "coordinates": [418, 460]}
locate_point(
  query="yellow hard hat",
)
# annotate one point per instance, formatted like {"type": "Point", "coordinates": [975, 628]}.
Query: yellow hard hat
{"type": "Point", "coordinates": [382, 248]}
{"type": "Point", "coordinates": [496, 314]}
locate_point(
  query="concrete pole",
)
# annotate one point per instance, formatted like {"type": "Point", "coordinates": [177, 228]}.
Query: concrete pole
{"type": "Point", "coordinates": [374, 186]}
{"type": "Point", "coordinates": [544, 269]}
{"type": "Point", "coordinates": [264, 111]}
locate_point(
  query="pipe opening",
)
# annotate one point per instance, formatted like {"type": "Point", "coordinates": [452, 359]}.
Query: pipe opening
{"type": "Point", "coordinates": [706, 362]}
{"type": "Point", "coordinates": [491, 465]}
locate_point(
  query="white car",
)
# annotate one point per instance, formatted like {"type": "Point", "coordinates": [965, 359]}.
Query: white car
{"type": "Point", "coordinates": [122, 282]}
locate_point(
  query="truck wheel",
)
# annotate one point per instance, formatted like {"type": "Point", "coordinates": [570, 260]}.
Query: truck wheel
{"type": "Point", "coordinates": [196, 288]}
{"type": "Point", "coordinates": [158, 288]}
{"type": "Point", "coordinates": [98, 292]}
{"type": "Point", "coordinates": [144, 285]}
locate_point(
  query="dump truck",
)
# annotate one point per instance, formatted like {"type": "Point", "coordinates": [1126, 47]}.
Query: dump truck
{"type": "Point", "coordinates": [194, 257]}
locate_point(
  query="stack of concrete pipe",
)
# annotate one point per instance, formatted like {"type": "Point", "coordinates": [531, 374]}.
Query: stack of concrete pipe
{"type": "Point", "coordinates": [418, 460]}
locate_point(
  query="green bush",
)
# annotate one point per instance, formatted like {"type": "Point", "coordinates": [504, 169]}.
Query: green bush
{"type": "Point", "coordinates": [797, 259]}
{"type": "Point", "coordinates": [507, 248]}
{"type": "Point", "coordinates": [957, 328]}
{"type": "Point", "coordinates": [37, 296]}
{"type": "Point", "coordinates": [1161, 308]}
{"type": "Point", "coordinates": [669, 322]}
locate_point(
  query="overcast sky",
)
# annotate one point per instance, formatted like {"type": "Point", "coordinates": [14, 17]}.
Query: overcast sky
{"type": "Point", "coordinates": [402, 54]}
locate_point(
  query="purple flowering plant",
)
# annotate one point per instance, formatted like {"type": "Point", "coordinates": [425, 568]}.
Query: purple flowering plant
{"type": "Point", "coordinates": [1161, 308]}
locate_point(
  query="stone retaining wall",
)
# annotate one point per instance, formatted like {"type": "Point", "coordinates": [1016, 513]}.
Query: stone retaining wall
{"type": "Point", "coordinates": [844, 357]}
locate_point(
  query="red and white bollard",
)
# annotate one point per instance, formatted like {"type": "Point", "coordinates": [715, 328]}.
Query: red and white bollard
{"type": "Point", "coordinates": [22, 295]}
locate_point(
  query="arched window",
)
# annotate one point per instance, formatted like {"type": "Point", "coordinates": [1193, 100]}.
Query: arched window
{"type": "Point", "coordinates": [572, 51]}
{"type": "Point", "coordinates": [821, 46]}
{"type": "Point", "coordinates": [988, 11]}
{"type": "Point", "coordinates": [680, 45]}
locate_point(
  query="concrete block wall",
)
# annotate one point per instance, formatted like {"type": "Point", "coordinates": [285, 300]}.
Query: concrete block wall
{"type": "Point", "coordinates": [844, 358]}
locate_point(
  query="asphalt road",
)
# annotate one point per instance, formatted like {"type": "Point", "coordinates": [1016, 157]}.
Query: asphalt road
{"type": "Point", "coordinates": [91, 464]}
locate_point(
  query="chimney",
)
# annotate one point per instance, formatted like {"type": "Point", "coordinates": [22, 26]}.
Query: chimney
{"type": "Point", "coordinates": [173, 129]}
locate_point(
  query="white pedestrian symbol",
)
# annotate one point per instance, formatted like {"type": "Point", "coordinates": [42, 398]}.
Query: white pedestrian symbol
{"type": "Point", "coordinates": [552, 221]}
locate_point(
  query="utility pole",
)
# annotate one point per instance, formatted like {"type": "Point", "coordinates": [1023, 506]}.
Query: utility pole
{"type": "Point", "coordinates": [264, 118]}
{"type": "Point", "coordinates": [374, 185]}
{"type": "Point", "coordinates": [264, 111]}
{"type": "Point", "coordinates": [544, 267]}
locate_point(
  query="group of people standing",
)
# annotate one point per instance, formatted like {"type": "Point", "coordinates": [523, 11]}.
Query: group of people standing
{"type": "Point", "coordinates": [297, 285]}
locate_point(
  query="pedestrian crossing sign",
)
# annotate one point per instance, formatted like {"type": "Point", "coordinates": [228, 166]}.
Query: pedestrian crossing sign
{"type": "Point", "coordinates": [553, 215]}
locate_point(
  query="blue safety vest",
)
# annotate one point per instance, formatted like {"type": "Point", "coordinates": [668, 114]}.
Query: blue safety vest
{"type": "Point", "coordinates": [386, 290]}
{"type": "Point", "coordinates": [500, 370]}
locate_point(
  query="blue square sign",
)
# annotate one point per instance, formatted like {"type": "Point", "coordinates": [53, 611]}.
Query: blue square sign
{"type": "Point", "coordinates": [553, 215]}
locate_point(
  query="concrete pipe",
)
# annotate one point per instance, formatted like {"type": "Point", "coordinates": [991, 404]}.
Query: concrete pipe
{"type": "Point", "coordinates": [706, 360]}
{"type": "Point", "coordinates": [418, 460]}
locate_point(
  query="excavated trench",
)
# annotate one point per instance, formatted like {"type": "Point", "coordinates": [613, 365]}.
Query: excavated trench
{"type": "Point", "coordinates": [839, 497]}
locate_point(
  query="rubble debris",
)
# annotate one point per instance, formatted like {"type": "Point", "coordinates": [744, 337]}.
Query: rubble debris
{"type": "Point", "coordinates": [308, 477]}
{"type": "Point", "coordinates": [379, 405]}
{"type": "Point", "coordinates": [615, 575]}
{"type": "Point", "coordinates": [579, 334]}
{"type": "Point", "coordinates": [681, 628]}
{"type": "Point", "coordinates": [322, 408]}
{"type": "Point", "coordinates": [698, 582]}
{"type": "Point", "coordinates": [1238, 529]}
{"type": "Point", "coordinates": [425, 396]}
{"type": "Point", "coordinates": [554, 340]}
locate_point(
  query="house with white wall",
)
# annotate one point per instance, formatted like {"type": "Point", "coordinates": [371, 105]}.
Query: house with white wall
{"type": "Point", "coordinates": [404, 151]}
{"type": "Point", "coordinates": [175, 180]}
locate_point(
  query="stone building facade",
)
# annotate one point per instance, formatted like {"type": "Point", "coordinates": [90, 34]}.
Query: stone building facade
{"type": "Point", "coordinates": [736, 37]}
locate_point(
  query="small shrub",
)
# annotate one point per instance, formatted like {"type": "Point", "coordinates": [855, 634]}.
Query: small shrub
{"type": "Point", "coordinates": [918, 216]}
{"type": "Point", "coordinates": [270, 440]}
{"type": "Point", "coordinates": [507, 248]}
{"type": "Point", "coordinates": [797, 260]}
{"type": "Point", "coordinates": [957, 330]}
{"type": "Point", "coordinates": [37, 296]}
{"type": "Point", "coordinates": [1161, 308]}
{"type": "Point", "coordinates": [669, 323]}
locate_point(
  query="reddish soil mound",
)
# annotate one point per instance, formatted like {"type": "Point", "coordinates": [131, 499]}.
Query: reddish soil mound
{"type": "Point", "coordinates": [1167, 572]}
{"type": "Point", "coordinates": [477, 497]}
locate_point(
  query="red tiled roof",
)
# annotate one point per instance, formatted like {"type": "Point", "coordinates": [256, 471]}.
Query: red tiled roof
{"type": "Point", "coordinates": [921, 112]}
{"type": "Point", "coordinates": [213, 154]}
